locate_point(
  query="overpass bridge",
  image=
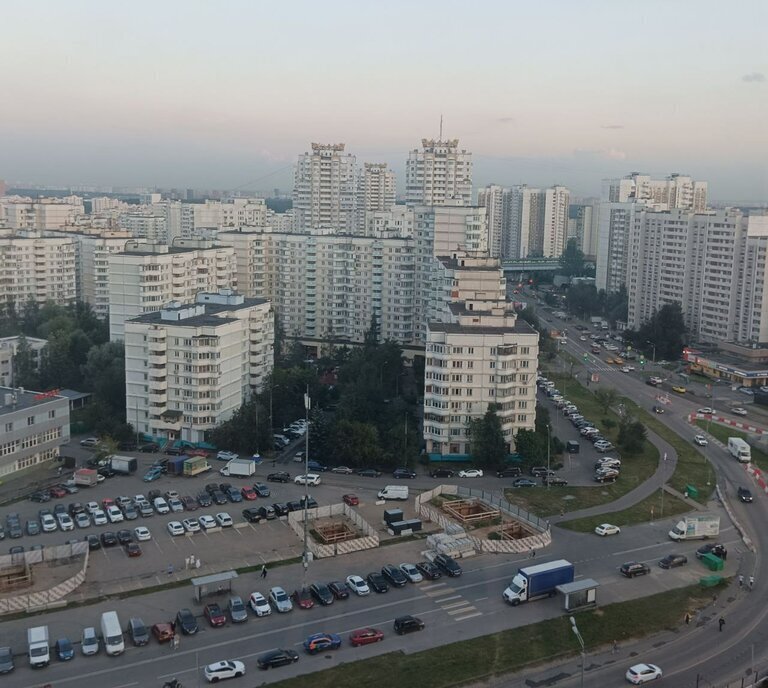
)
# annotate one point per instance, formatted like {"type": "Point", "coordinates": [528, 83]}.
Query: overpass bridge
{"type": "Point", "coordinates": [519, 265]}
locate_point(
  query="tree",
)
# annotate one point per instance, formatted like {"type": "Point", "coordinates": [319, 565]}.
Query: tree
{"type": "Point", "coordinates": [606, 397]}
{"type": "Point", "coordinates": [488, 447]}
{"type": "Point", "coordinates": [572, 259]}
{"type": "Point", "coordinates": [532, 446]}
{"type": "Point", "coordinates": [632, 435]}
{"type": "Point", "coordinates": [665, 331]}
{"type": "Point", "coordinates": [24, 369]}
{"type": "Point", "coordinates": [583, 300]}
{"type": "Point", "coordinates": [356, 444]}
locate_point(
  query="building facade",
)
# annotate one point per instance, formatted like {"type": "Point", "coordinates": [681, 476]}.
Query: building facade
{"type": "Point", "coordinates": [9, 346]}
{"type": "Point", "coordinates": [676, 191]}
{"type": "Point", "coordinates": [189, 367]}
{"type": "Point", "coordinates": [377, 189]}
{"type": "Point", "coordinates": [438, 173]}
{"type": "Point", "coordinates": [478, 354]}
{"type": "Point", "coordinates": [41, 213]}
{"type": "Point", "coordinates": [35, 426]}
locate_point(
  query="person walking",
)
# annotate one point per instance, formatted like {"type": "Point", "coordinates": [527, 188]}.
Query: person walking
{"type": "Point", "coordinates": [532, 553]}
{"type": "Point", "coordinates": [170, 569]}
{"type": "Point", "coordinates": [751, 582]}
{"type": "Point", "coordinates": [721, 621]}
{"type": "Point", "coordinates": [687, 618]}
{"type": "Point", "coordinates": [263, 571]}
{"type": "Point", "coordinates": [741, 581]}
{"type": "Point", "coordinates": [615, 647]}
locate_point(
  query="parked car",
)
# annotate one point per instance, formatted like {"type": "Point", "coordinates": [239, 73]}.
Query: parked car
{"type": "Point", "coordinates": [279, 477]}
{"type": "Point", "coordinates": [524, 482]}
{"type": "Point", "coordinates": [350, 500]}
{"type": "Point", "coordinates": [634, 568]}
{"type": "Point", "coordinates": [302, 598]}
{"type": "Point", "coordinates": [376, 582]}
{"type": "Point", "coordinates": [448, 565]}
{"type": "Point", "coordinates": [358, 585]}
{"type": "Point", "coordinates": [471, 473]}
{"type": "Point", "coordinates": [163, 632]}
{"type": "Point", "coordinates": [138, 631]}
{"type": "Point", "coordinates": [369, 473]}
{"type": "Point", "coordinates": [258, 603]}
{"type": "Point", "coordinates": [214, 614]}
{"type": "Point", "coordinates": [261, 489]}
{"type": "Point", "coordinates": [673, 561]}
{"type": "Point", "coordinates": [89, 642]}
{"type": "Point", "coordinates": [715, 548]}
{"type": "Point", "coordinates": [394, 575]}
{"type": "Point", "coordinates": [411, 573]}
{"type": "Point", "coordinates": [280, 600]}
{"type": "Point", "coordinates": [442, 473]}
{"type": "Point", "coordinates": [429, 570]}
{"type": "Point", "coordinates": [186, 621]}
{"type": "Point", "coordinates": [509, 472]}
{"type": "Point", "coordinates": [400, 473]}
{"type": "Point", "coordinates": [553, 480]}
{"type": "Point", "coordinates": [339, 590]}
{"type": "Point", "coordinates": [322, 593]}
{"type": "Point", "coordinates": [308, 479]}
{"type": "Point", "coordinates": [64, 649]}
{"type": "Point", "coordinates": [277, 658]}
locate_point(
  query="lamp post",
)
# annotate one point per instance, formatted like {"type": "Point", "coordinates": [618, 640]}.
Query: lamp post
{"type": "Point", "coordinates": [549, 443]}
{"type": "Point", "coordinates": [305, 555]}
{"type": "Point", "coordinates": [575, 629]}
{"type": "Point", "coordinates": [648, 341]}
{"type": "Point", "coordinates": [663, 477]}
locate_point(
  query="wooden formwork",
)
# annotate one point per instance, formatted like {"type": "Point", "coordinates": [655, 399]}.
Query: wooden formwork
{"type": "Point", "coordinates": [470, 511]}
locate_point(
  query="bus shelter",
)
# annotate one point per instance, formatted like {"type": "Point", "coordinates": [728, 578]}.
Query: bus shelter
{"type": "Point", "coordinates": [215, 584]}
{"type": "Point", "coordinates": [579, 594]}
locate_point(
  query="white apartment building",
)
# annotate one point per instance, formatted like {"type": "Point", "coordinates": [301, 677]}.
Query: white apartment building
{"type": "Point", "coordinates": [676, 191]}
{"type": "Point", "coordinates": [35, 427]}
{"type": "Point", "coordinates": [712, 264]}
{"type": "Point", "coordinates": [146, 223]}
{"type": "Point", "coordinates": [616, 222]}
{"type": "Point", "coordinates": [145, 277]}
{"type": "Point", "coordinates": [398, 221]}
{"type": "Point", "coordinates": [189, 367]}
{"type": "Point", "coordinates": [36, 269]}
{"type": "Point", "coordinates": [8, 348]}
{"type": "Point", "coordinates": [377, 188]}
{"type": "Point", "coordinates": [330, 286]}
{"type": "Point", "coordinates": [495, 200]}
{"type": "Point", "coordinates": [438, 173]}
{"type": "Point", "coordinates": [481, 354]}
{"type": "Point", "coordinates": [583, 225]}
{"type": "Point", "coordinates": [93, 253]}
{"type": "Point", "coordinates": [41, 213]}
{"type": "Point", "coordinates": [325, 189]}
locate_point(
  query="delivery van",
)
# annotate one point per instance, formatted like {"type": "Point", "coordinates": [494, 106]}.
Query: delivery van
{"type": "Point", "coordinates": [394, 492]}
{"type": "Point", "coordinates": [112, 633]}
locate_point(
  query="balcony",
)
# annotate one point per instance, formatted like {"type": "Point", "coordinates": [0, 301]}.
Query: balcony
{"type": "Point", "coordinates": [156, 347]}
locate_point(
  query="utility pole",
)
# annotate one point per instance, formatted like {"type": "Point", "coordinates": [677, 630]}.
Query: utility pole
{"type": "Point", "coordinates": [663, 476]}
{"type": "Point", "coordinates": [305, 555]}
{"type": "Point", "coordinates": [583, 651]}
{"type": "Point", "coordinates": [549, 443]}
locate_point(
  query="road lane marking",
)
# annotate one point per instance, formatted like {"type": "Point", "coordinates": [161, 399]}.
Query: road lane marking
{"type": "Point", "coordinates": [468, 616]}
{"type": "Point", "coordinates": [446, 599]}
{"type": "Point", "coordinates": [469, 608]}
{"type": "Point", "coordinates": [463, 603]}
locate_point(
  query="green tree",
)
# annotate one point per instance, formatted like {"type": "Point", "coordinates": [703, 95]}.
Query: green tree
{"type": "Point", "coordinates": [356, 444]}
{"type": "Point", "coordinates": [606, 397]}
{"type": "Point", "coordinates": [632, 435]}
{"type": "Point", "coordinates": [583, 300]}
{"type": "Point", "coordinates": [666, 330]}
{"type": "Point", "coordinates": [532, 446]}
{"type": "Point", "coordinates": [24, 368]}
{"type": "Point", "coordinates": [572, 260]}
{"type": "Point", "coordinates": [488, 447]}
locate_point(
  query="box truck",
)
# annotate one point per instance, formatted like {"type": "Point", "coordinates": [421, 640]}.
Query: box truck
{"type": "Point", "coordinates": [195, 465]}
{"type": "Point", "coordinates": [534, 582]}
{"type": "Point", "coordinates": [38, 646]}
{"type": "Point", "coordinates": [85, 477]}
{"type": "Point", "coordinates": [239, 468]}
{"type": "Point", "coordinates": [739, 449]}
{"type": "Point", "coordinates": [123, 464]}
{"type": "Point", "coordinates": [394, 492]}
{"type": "Point", "coordinates": [112, 634]}
{"type": "Point", "coordinates": [699, 527]}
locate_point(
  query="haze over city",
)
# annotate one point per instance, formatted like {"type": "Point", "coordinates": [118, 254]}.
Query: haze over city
{"type": "Point", "coordinates": [226, 96]}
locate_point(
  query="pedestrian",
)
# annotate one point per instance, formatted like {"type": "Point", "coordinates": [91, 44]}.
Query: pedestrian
{"type": "Point", "coordinates": [714, 599]}
{"type": "Point", "coordinates": [532, 553]}
{"type": "Point", "coordinates": [197, 563]}
{"type": "Point", "coordinates": [751, 582]}
{"type": "Point", "coordinates": [615, 648]}
{"type": "Point", "coordinates": [721, 621]}
{"type": "Point", "coordinates": [263, 570]}
{"type": "Point", "coordinates": [687, 618]}
{"type": "Point", "coordinates": [176, 641]}
{"type": "Point", "coordinates": [170, 569]}
{"type": "Point", "coordinates": [60, 469]}
{"type": "Point", "coordinates": [741, 581]}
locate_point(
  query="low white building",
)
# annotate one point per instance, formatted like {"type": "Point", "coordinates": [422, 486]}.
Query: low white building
{"type": "Point", "coordinates": [189, 367]}
{"type": "Point", "coordinates": [8, 348]}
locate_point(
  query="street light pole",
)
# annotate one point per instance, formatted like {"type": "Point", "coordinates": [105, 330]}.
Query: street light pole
{"type": "Point", "coordinates": [583, 650]}
{"type": "Point", "coordinates": [549, 443]}
{"type": "Point", "coordinates": [663, 471]}
{"type": "Point", "coordinates": [305, 555]}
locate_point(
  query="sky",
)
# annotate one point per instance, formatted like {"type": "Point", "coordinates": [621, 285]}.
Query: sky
{"type": "Point", "coordinates": [227, 94]}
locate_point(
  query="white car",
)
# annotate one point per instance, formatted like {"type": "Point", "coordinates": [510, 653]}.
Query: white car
{"type": "Point", "coordinates": [142, 534]}
{"type": "Point", "coordinates": [642, 673]}
{"type": "Point", "coordinates": [191, 525]}
{"type": "Point", "coordinates": [175, 505]}
{"type": "Point", "coordinates": [227, 456]}
{"type": "Point", "coordinates": [224, 519]}
{"type": "Point", "coordinates": [471, 473]}
{"type": "Point", "coordinates": [739, 411]}
{"type": "Point", "coordinates": [206, 522]}
{"type": "Point", "coordinates": [259, 604]}
{"type": "Point", "coordinates": [65, 522]}
{"type": "Point", "coordinates": [229, 668]}
{"type": "Point", "coordinates": [625, 369]}
{"type": "Point", "coordinates": [358, 585]}
{"type": "Point", "coordinates": [89, 442]}
{"type": "Point", "coordinates": [48, 523]}
{"type": "Point", "coordinates": [411, 573]}
{"type": "Point", "coordinates": [114, 514]}
{"type": "Point", "coordinates": [308, 479]}
{"type": "Point", "coordinates": [140, 499]}
{"type": "Point", "coordinates": [280, 600]}
{"type": "Point", "coordinates": [99, 518]}
{"type": "Point", "coordinates": [175, 528]}
{"type": "Point", "coordinates": [161, 506]}
{"type": "Point", "coordinates": [707, 411]}
{"type": "Point", "coordinates": [92, 507]}
{"type": "Point", "coordinates": [607, 529]}
{"type": "Point", "coordinates": [701, 440]}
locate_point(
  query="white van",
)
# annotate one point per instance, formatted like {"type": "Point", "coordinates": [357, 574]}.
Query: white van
{"type": "Point", "coordinates": [394, 492]}
{"type": "Point", "coordinates": [112, 634]}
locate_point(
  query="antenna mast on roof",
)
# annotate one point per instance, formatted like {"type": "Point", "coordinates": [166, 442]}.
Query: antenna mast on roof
{"type": "Point", "coordinates": [441, 128]}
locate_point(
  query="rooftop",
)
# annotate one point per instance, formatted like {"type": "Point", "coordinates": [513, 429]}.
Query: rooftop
{"type": "Point", "coordinates": [14, 399]}
{"type": "Point", "coordinates": [210, 317]}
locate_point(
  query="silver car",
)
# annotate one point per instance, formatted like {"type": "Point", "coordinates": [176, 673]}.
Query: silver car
{"type": "Point", "coordinates": [237, 611]}
{"type": "Point", "coordinates": [280, 600]}
{"type": "Point", "coordinates": [90, 641]}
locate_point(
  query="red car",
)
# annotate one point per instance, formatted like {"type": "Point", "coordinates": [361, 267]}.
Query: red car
{"type": "Point", "coordinates": [248, 493]}
{"type": "Point", "coordinates": [107, 502]}
{"type": "Point", "coordinates": [198, 452]}
{"type": "Point", "coordinates": [57, 491]}
{"type": "Point", "coordinates": [303, 598]}
{"type": "Point", "coordinates": [215, 616]}
{"type": "Point", "coordinates": [163, 632]}
{"type": "Point", "coordinates": [132, 549]}
{"type": "Point", "coordinates": [351, 500]}
{"type": "Point", "coordinates": [365, 636]}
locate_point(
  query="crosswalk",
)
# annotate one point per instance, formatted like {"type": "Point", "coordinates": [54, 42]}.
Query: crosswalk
{"type": "Point", "coordinates": [451, 601]}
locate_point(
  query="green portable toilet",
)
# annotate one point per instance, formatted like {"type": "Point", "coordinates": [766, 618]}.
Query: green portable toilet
{"type": "Point", "coordinates": [691, 491]}
{"type": "Point", "coordinates": [712, 562]}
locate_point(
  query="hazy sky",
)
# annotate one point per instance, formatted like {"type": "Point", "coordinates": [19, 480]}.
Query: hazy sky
{"type": "Point", "coordinates": [226, 94]}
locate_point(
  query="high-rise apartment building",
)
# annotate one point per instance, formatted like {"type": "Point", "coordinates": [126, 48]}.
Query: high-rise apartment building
{"type": "Point", "coordinates": [325, 189]}
{"type": "Point", "coordinates": [712, 264]}
{"type": "Point", "coordinates": [189, 367]}
{"type": "Point", "coordinates": [438, 173]}
{"type": "Point", "coordinates": [495, 199]}
{"type": "Point", "coordinates": [616, 222]}
{"type": "Point", "coordinates": [676, 191]}
{"type": "Point", "coordinates": [40, 213]}
{"type": "Point", "coordinates": [377, 188]}
{"type": "Point", "coordinates": [583, 225]}
{"type": "Point", "coordinates": [146, 277]}
{"type": "Point", "coordinates": [479, 353]}
{"type": "Point", "coordinates": [37, 269]}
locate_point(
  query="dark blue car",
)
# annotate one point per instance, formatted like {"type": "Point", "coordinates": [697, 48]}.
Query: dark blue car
{"type": "Point", "coordinates": [64, 649]}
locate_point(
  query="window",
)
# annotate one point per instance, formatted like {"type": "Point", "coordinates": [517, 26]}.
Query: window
{"type": "Point", "coordinates": [9, 427]}
{"type": "Point", "coordinates": [52, 413]}
{"type": "Point", "coordinates": [30, 420]}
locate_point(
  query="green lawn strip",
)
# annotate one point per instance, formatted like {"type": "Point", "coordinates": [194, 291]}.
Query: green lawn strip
{"type": "Point", "coordinates": [644, 511]}
{"type": "Point", "coordinates": [501, 653]}
{"type": "Point", "coordinates": [723, 432]}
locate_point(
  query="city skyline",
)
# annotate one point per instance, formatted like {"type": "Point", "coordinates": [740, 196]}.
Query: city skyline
{"type": "Point", "coordinates": [85, 103]}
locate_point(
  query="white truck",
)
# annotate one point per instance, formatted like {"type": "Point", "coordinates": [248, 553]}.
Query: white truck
{"type": "Point", "coordinates": [38, 646]}
{"type": "Point", "coordinates": [239, 468]}
{"type": "Point", "coordinates": [541, 580]}
{"type": "Point", "coordinates": [739, 449]}
{"type": "Point", "coordinates": [699, 527]}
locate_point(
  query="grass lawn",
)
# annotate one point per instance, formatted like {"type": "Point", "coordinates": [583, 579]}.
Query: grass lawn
{"type": "Point", "coordinates": [508, 651]}
{"type": "Point", "coordinates": [648, 509]}
{"type": "Point", "coordinates": [723, 432]}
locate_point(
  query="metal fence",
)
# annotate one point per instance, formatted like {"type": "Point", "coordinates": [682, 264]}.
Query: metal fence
{"type": "Point", "coordinates": [540, 524]}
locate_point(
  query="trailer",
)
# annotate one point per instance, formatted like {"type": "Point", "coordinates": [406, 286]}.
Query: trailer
{"type": "Point", "coordinates": [175, 464]}
{"type": "Point", "coordinates": [534, 582]}
{"type": "Point", "coordinates": [85, 477]}
{"type": "Point", "coordinates": [123, 464]}
{"type": "Point", "coordinates": [698, 527]}
{"type": "Point", "coordinates": [195, 465]}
